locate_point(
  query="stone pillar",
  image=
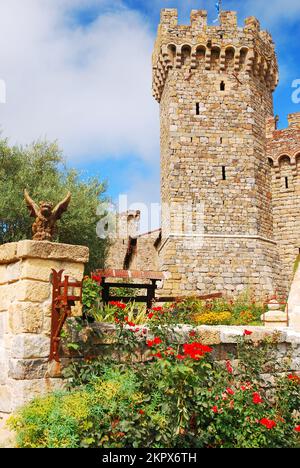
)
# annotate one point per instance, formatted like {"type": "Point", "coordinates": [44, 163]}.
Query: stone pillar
{"type": "Point", "coordinates": [294, 302]}
{"type": "Point", "coordinates": [275, 317]}
{"type": "Point", "coordinates": [25, 316]}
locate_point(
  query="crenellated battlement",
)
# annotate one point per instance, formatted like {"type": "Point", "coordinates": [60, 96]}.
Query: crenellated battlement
{"type": "Point", "coordinates": [225, 48]}
{"type": "Point", "coordinates": [283, 147]}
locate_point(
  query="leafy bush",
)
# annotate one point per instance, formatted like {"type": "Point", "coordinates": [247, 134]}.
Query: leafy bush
{"type": "Point", "coordinates": [179, 397]}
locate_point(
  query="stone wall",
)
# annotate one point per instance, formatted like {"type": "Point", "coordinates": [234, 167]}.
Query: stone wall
{"type": "Point", "coordinates": [220, 265]}
{"type": "Point", "coordinates": [25, 316]}
{"type": "Point", "coordinates": [99, 340]}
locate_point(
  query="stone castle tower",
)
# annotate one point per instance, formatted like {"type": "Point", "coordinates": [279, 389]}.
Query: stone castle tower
{"type": "Point", "coordinates": [229, 219]}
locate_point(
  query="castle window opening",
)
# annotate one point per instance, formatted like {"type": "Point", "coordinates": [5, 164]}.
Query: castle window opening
{"type": "Point", "coordinates": [286, 180]}
{"type": "Point", "coordinates": [223, 172]}
{"type": "Point", "coordinates": [197, 108]}
{"type": "Point", "coordinates": [221, 140]}
{"type": "Point", "coordinates": [222, 86]}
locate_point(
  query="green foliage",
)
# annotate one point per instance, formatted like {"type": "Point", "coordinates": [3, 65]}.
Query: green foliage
{"type": "Point", "coordinates": [244, 310]}
{"type": "Point", "coordinates": [90, 294]}
{"type": "Point", "coordinates": [41, 169]}
{"type": "Point", "coordinates": [81, 418]}
{"type": "Point", "coordinates": [180, 398]}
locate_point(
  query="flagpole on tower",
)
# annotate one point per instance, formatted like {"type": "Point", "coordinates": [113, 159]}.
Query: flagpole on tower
{"type": "Point", "coordinates": [219, 9]}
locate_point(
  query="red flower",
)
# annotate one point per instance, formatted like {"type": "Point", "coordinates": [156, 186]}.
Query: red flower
{"type": "Point", "coordinates": [157, 309]}
{"type": "Point", "coordinates": [150, 315]}
{"type": "Point", "coordinates": [257, 398]}
{"type": "Point", "coordinates": [131, 324]}
{"type": "Point", "coordinates": [144, 331]}
{"type": "Point", "coordinates": [180, 357]}
{"type": "Point", "coordinates": [192, 333]}
{"type": "Point", "coordinates": [229, 391]}
{"type": "Point", "coordinates": [158, 355]}
{"type": "Point", "coordinates": [150, 343]}
{"type": "Point", "coordinates": [268, 423]}
{"type": "Point", "coordinates": [229, 367]}
{"type": "Point", "coordinates": [120, 305]}
{"type": "Point", "coordinates": [141, 411]}
{"type": "Point", "coordinates": [96, 278]}
{"type": "Point", "coordinates": [294, 378]}
{"type": "Point", "coordinates": [243, 388]}
{"type": "Point", "coordinates": [215, 409]}
{"type": "Point", "coordinates": [157, 341]}
{"type": "Point", "coordinates": [297, 428]}
{"type": "Point", "coordinates": [196, 350]}
{"type": "Point", "coordinates": [248, 333]}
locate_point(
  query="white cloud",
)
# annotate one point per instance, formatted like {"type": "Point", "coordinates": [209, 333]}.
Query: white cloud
{"type": "Point", "coordinates": [89, 87]}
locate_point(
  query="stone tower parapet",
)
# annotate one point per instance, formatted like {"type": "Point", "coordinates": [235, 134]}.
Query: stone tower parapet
{"type": "Point", "coordinates": [221, 47]}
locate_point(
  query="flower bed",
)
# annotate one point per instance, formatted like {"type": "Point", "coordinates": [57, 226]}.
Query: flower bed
{"type": "Point", "coordinates": [244, 310]}
{"type": "Point", "coordinates": [183, 387]}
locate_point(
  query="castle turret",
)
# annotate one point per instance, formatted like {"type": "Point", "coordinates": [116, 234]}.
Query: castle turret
{"type": "Point", "coordinates": [214, 85]}
{"type": "Point", "coordinates": [283, 151]}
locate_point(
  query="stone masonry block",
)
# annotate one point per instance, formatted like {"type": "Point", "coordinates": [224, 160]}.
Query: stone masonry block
{"type": "Point", "coordinates": [28, 290]}
{"type": "Point", "coordinates": [28, 369]}
{"type": "Point", "coordinates": [3, 324]}
{"type": "Point", "coordinates": [29, 346]}
{"type": "Point", "coordinates": [36, 269]}
{"type": "Point", "coordinates": [24, 391]}
{"type": "Point", "coordinates": [3, 372]}
{"type": "Point", "coordinates": [8, 253]}
{"type": "Point", "coordinates": [25, 317]}
{"type": "Point", "coordinates": [3, 274]}
{"type": "Point", "coordinates": [13, 271]}
{"type": "Point", "coordinates": [5, 399]}
{"type": "Point", "coordinates": [209, 335]}
{"type": "Point", "coordinates": [51, 250]}
{"type": "Point", "coordinates": [4, 298]}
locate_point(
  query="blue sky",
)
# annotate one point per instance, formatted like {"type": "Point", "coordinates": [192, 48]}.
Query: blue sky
{"type": "Point", "coordinates": [79, 71]}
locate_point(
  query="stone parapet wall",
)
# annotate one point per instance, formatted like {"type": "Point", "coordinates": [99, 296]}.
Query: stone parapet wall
{"type": "Point", "coordinates": [99, 340]}
{"type": "Point", "coordinates": [25, 316]}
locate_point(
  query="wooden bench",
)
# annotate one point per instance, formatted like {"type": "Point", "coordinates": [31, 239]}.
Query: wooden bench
{"type": "Point", "coordinates": [152, 277]}
{"type": "Point", "coordinates": [150, 298]}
